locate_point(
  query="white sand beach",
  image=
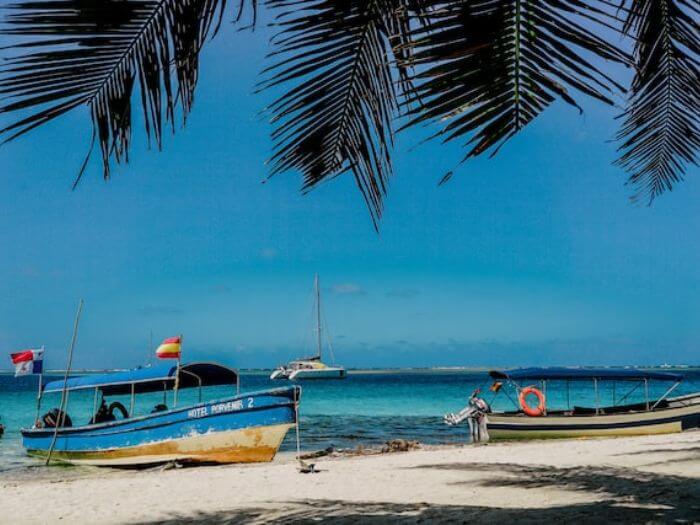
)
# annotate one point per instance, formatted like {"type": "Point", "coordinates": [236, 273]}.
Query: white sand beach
{"type": "Point", "coordinates": [639, 479]}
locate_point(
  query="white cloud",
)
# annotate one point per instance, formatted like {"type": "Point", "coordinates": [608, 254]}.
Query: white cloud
{"type": "Point", "coordinates": [347, 289]}
{"type": "Point", "coordinates": [269, 253]}
{"type": "Point", "coordinates": [220, 288]}
{"type": "Point", "coordinates": [403, 293]}
{"type": "Point", "coordinates": [160, 310]}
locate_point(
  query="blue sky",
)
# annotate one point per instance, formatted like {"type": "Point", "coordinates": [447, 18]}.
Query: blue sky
{"type": "Point", "coordinates": [533, 257]}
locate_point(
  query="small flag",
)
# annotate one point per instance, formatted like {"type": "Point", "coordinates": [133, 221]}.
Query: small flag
{"type": "Point", "coordinates": [28, 362]}
{"type": "Point", "coordinates": [496, 386]}
{"type": "Point", "coordinates": [170, 348]}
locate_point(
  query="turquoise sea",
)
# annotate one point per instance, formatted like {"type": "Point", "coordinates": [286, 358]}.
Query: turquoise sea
{"type": "Point", "coordinates": [366, 409]}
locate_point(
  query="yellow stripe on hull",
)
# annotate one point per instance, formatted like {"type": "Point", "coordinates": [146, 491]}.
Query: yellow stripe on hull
{"type": "Point", "coordinates": [525, 433]}
{"type": "Point", "coordinates": [662, 421]}
{"type": "Point", "coordinates": [249, 445]}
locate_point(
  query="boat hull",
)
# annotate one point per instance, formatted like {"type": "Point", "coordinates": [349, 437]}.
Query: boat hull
{"type": "Point", "coordinates": [279, 374]}
{"type": "Point", "coordinates": [322, 373]}
{"type": "Point", "coordinates": [664, 421]}
{"type": "Point", "coordinates": [240, 429]}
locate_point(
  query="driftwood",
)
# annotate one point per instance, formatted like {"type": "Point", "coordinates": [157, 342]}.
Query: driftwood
{"type": "Point", "coordinates": [393, 445]}
{"type": "Point", "coordinates": [330, 451]}
{"type": "Point", "coordinates": [400, 445]}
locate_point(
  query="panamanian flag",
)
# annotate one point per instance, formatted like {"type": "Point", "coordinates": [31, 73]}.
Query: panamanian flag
{"type": "Point", "coordinates": [28, 362]}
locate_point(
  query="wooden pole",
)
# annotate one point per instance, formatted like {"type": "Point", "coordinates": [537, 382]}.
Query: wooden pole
{"type": "Point", "coordinates": [133, 399]}
{"type": "Point", "coordinates": [65, 380]}
{"type": "Point", "coordinates": [597, 399]}
{"type": "Point", "coordinates": [296, 423]}
{"type": "Point", "coordinates": [177, 374]}
{"type": "Point", "coordinates": [94, 406]}
{"type": "Point", "coordinates": [41, 385]}
{"type": "Point", "coordinates": [646, 392]}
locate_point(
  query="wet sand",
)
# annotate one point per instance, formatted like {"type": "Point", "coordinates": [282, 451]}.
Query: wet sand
{"type": "Point", "coordinates": [639, 479]}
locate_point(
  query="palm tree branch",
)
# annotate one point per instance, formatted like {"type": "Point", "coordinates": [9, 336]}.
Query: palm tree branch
{"type": "Point", "coordinates": [334, 57]}
{"type": "Point", "coordinates": [92, 53]}
{"type": "Point", "coordinates": [660, 133]}
{"type": "Point", "coordinates": [487, 68]}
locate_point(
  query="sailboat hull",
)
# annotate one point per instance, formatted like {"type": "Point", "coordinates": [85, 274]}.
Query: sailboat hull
{"type": "Point", "coordinates": [280, 373]}
{"type": "Point", "coordinates": [321, 373]}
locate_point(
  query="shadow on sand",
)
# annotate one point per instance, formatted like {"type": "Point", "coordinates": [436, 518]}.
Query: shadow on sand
{"type": "Point", "coordinates": [626, 495]}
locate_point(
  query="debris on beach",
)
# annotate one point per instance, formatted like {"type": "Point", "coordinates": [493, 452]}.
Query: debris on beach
{"type": "Point", "coordinates": [400, 445]}
{"type": "Point", "coordinates": [393, 445]}
{"type": "Point", "coordinates": [329, 451]}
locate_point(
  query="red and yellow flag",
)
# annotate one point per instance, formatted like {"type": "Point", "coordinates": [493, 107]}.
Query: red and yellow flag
{"type": "Point", "coordinates": [170, 348]}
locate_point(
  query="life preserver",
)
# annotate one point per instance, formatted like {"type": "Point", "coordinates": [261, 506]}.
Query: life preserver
{"type": "Point", "coordinates": [121, 408]}
{"type": "Point", "coordinates": [534, 412]}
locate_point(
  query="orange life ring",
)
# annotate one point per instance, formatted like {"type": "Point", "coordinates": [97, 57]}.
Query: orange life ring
{"type": "Point", "coordinates": [534, 412]}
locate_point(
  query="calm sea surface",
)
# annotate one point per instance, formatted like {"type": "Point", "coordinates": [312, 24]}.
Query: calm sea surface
{"type": "Point", "coordinates": [365, 409]}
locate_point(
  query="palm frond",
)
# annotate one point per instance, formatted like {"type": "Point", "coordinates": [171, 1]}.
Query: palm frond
{"type": "Point", "coordinates": [487, 68]}
{"type": "Point", "coordinates": [660, 135]}
{"type": "Point", "coordinates": [335, 56]}
{"type": "Point", "coordinates": [77, 52]}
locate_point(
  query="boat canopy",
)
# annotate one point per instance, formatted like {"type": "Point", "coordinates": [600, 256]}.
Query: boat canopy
{"type": "Point", "coordinates": [150, 379]}
{"type": "Point", "coordinates": [610, 374]}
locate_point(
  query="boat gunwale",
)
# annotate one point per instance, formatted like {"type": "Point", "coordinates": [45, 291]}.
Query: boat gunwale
{"type": "Point", "coordinates": [561, 414]}
{"type": "Point", "coordinates": [37, 432]}
{"type": "Point", "coordinates": [536, 426]}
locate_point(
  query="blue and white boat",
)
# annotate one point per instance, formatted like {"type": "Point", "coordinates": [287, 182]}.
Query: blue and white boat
{"type": "Point", "coordinates": [241, 428]}
{"type": "Point", "coordinates": [650, 415]}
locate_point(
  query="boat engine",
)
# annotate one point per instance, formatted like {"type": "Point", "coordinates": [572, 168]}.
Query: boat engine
{"type": "Point", "coordinates": [56, 417]}
{"type": "Point", "coordinates": [475, 414]}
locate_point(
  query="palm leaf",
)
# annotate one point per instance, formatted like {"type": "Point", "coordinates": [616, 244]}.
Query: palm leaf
{"type": "Point", "coordinates": [93, 52]}
{"type": "Point", "coordinates": [487, 68]}
{"type": "Point", "coordinates": [335, 58]}
{"type": "Point", "coordinates": [661, 131]}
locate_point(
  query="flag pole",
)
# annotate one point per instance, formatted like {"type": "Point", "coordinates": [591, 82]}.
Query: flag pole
{"type": "Point", "coordinates": [41, 385]}
{"type": "Point", "coordinates": [65, 381]}
{"type": "Point", "coordinates": [177, 373]}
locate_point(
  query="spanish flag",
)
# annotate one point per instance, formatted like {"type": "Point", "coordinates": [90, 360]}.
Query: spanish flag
{"type": "Point", "coordinates": [170, 348]}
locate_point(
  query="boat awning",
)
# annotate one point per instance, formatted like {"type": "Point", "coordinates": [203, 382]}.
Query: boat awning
{"type": "Point", "coordinates": [610, 374]}
{"type": "Point", "coordinates": [149, 379]}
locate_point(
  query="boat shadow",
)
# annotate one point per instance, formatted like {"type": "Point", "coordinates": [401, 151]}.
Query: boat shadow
{"type": "Point", "coordinates": [669, 455]}
{"type": "Point", "coordinates": [625, 495]}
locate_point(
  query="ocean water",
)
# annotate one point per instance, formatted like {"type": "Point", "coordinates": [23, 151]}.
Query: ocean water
{"type": "Point", "coordinates": [366, 409]}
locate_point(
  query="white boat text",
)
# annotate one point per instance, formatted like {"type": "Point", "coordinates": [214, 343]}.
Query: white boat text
{"type": "Point", "coordinates": [220, 408]}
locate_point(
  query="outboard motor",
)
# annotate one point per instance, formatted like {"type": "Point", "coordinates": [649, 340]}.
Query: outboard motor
{"type": "Point", "coordinates": [475, 414]}
{"type": "Point", "coordinates": [103, 414]}
{"type": "Point", "coordinates": [56, 417]}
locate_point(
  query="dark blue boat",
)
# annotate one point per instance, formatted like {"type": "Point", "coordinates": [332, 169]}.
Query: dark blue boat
{"type": "Point", "coordinates": [241, 428]}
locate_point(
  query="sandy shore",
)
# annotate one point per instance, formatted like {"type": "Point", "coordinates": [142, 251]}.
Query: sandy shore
{"type": "Point", "coordinates": [644, 479]}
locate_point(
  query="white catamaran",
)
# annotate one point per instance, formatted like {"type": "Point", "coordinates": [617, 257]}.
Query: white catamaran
{"type": "Point", "coordinates": [311, 367]}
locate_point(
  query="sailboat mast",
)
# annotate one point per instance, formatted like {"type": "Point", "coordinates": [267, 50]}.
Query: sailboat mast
{"type": "Point", "coordinates": [318, 316]}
